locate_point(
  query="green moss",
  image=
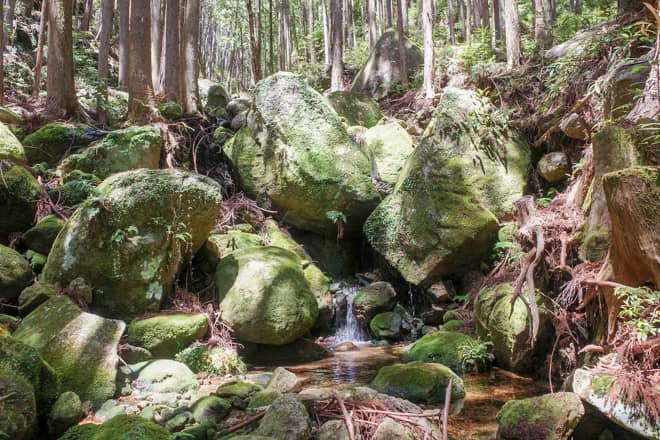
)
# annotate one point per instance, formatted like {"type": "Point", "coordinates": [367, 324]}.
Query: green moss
{"type": "Point", "coordinates": [15, 273]}
{"type": "Point", "coordinates": [130, 427]}
{"type": "Point", "coordinates": [19, 192]}
{"type": "Point", "coordinates": [389, 145]}
{"type": "Point", "coordinates": [440, 347]}
{"type": "Point", "coordinates": [373, 299]}
{"type": "Point", "coordinates": [170, 110]}
{"type": "Point", "coordinates": [81, 175]}
{"type": "Point", "coordinates": [450, 315]}
{"type": "Point", "coordinates": [10, 147]}
{"type": "Point", "coordinates": [121, 150]}
{"type": "Point", "coordinates": [51, 142]}
{"type": "Point", "coordinates": [73, 192]}
{"type": "Point", "coordinates": [419, 382]}
{"type": "Point", "coordinates": [81, 432]}
{"type": "Point", "coordinates": [211, 409]}
{"type": "Point", "coordinates": [601, 385]}
{"type": "Point", "coordinates": [452, 325]}
{"type": "Point", "coordinates": [237, 389]}
{"type": "Point", "coordinates": [33, 296]}
{"type": "Point", "coordinates": [18, 409]}
{"type": "Point", "coordinates": [66, 412]}
{"type": "Point", "coordinates": [386, 325]}
{"type": "Point", "coordinates": [42, 235]}
{"type": "Point", "coordinates": [355, 108]}
{"type": "Point", "coordinates": [166, 335]}
{"type": "Point", "coordinates": [263, 398]}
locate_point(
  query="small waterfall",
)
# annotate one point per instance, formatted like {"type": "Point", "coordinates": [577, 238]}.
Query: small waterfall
{"type": "Point", "coordinates": [349, 329]}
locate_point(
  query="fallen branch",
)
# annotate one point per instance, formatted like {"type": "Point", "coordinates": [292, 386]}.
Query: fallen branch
{"type": "Point", "coordinates": [246, 422]}
{"type": "Point", "coordinates": [347, 416]}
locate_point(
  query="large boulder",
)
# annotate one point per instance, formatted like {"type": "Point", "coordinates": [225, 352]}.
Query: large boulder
{"type": "Point", "coordinates": [165, 335]}
{"type": "Point", "coordinates": [383, 69]}
{"type": "Point", "coordinates": [18, 418]}
{"type": "Point", "coordinates": [595, 389]}
{"type": "Point", "coordinates": [10, 147]}
{"type": "Point", "coordinates": [52, 141]}
{"type": "Point", "coordinates": [81, 347]}
{"type": "Point", "coordinates": [295, 154]}
{"type": "Point", "coordinates": [264, 295]}
{"type": "Point", "coordinates": [386, 325]}
{"type": "Point", "coordinates": [441, 347]}
{"type": "Point", "coordinates": [355, 108]}
{"type": "Point", "coordinates": [623, 83]}
{"type": "Point", "coordinates": [212, 94]}
{"type": "Point", "coordinates": [373, 299]}
{"type": "Point", "coordinates": [551, 417]}
{"type": "Point", "coordinates": [41, 236]}
{"type": "Point", "coordinates": [445, 206]}
{"type": "Point", "coordinates": [129, 240]}
{"type": "Point", "coordinates": [508, 328]}
{"type": "Point", "coordinates": [19, 192]}
{"type": "Point", "coordinates": [121, 427]}
{"type": "Point", "coordinates": [287, 418]}
{"type": "Point", "coordinates": [15, 274]}
{"type": "Point", "coordinates": [162, 376]}
{"type": "Point", "coordinates": [66, 412]}
{"type": "Point", "coordinates": [420, 382]}
{"type": "Point", "coordinates": [388, 146]}
{"type": "Point", "coordinates": [633, 202]}
{"type": "Point", "coordinates": [120, 150]}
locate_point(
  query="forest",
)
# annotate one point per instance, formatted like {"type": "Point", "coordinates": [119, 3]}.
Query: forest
{"type": "Point", "coordinates": [330, 219]}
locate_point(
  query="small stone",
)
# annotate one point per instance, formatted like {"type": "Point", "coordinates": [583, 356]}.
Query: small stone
{"type": "Point", "coordinates": [554, 167]}
{"type": "Point", "coordinates": [333, 430]}
{"type": "Point", "coordinates": [66, 412]}
{"type": "Point", "coordinates": [287, 418]}
{"type": "Point", "coordinates": [391, 430]}
{"type": "Point", "coordinates": [574, 127]}
{"type": "Point", "coordinates": [284, 381]}
{"type": "Point", "coordinates": [211, 409]}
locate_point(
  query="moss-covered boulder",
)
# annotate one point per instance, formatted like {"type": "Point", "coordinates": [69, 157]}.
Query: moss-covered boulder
{"type": "Point", "coordinates": [121, 150]}
{"type": "Point", "coordinates": [388, 146]}
{"type": "Point", "coordinates": [509, 330]}
{"type": "Point", "coordinates": [81, 347]}
{"type": "Point", "coordinates": [18, 415]}
{"type": "Point", "coordinates": [41, 236]}
{"type": "Point", "coordinates": [375, 298]}
{"type": "Point", "coordinates": [19, 192]}
{"type": "Point", "coordinates": [386, 325]}
{"type": "Point", "coordinates": [33, 296]}
{"type": "Point", "coordinates": [122, 427]}
{"type": "Point", "coordinates": [355, 108]}
{"type": "Point", "coordinates": [273, 235]}
{"type": "Point", "coordinates": [129, 239]}
{"type": "Point", "coordinates": [163, 376]}
{"type": "Point", "coordinates": [221, 244]}
{"type": "Point", "coordinates": [15, 274]}
{"type": "Point", "coordinates": [52, 141]}
{"type": "Point", "coordinates": [10, 147]}
{"type": "Point", "coordinates": [165, 335]}
{"type": "Point", "coordinates": [66, 412]}
{"type": "Point", "coordinates": [170, 110]}
{"type": "Point", "coordinates": [264, 295]}
{"type": "Point", "coordinates": [419, 382]}
{"type": "Point", "coordinates": [441, 347]}
{"type": "Point", "coordinates": [286, 418]}
{"type": "Point", "coordinates": [210, 409]}
{"type": "Point", "coordinates": [382, 72]}
{"type": "Point", "coordinates": [295, 153]}
{"type": "Point", "coordinates": [212, 94]}
{"type": "Point", "coordinates": [73, 192]}
{"type": "Point", "coordinates": [262, 399]}
{"type": "Point", "coordinates": [444, 208]}
{"type": "Point", "coordinates": [551, 416]}
{"type": "Point", "coordinates": [595, 389]}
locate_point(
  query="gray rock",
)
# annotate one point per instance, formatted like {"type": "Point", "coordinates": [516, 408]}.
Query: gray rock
{"type": "Point", "coordinates": [66, 412]}
{"type": "Point", "coordinates": [554, 167]}
{"type": "Point", "coordinates": [286, 418]}
{"type": "Point", "coordinates": [574, 127]}
{"type": "Point", "coordinates": [333, 430]}
{"type": "Point", "coordinates": [391, 430]}
{"type": "Point", "coordinates": [284, 381]}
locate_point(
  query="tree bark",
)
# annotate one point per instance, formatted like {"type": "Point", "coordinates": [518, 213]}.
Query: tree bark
{"type": "Point", "coordinates": [543, 23]}
{"type": "Point", "coordinates": [402, 43]}
{"type": "Point", "coordinates": [388, 13]}
{"type": "Point", "coordinates": [468, 21]}
{"type": "Point", "coordinates": [40, 48]}
{"type": "Point", "coordinates": [326, 34]}
{"type": "Point", "coordinates": [337, 75]}
{"type": "Point", "coordinates": [496, 26]}
{"type": "Point", "coordinates": [27, 8]}
{"type": "Point", "coordinates": [461, 16]}
{"type": "Point", "coordinates": [271, 61]}
{"type": "Point", "coordinates": [255, 50]}
{"type": "Point", "coordinates": [2, 58]}
{"type": "Point", "coordinates": [123, 6]}
{"type": "Point", "coordinates": [451, 18]}
{"type": "Point", "coordinates": [9, 21]}
{"type": "Point", "coordinates": [512, 29]}
{"type": "Point", "coordinates": [60, 85]}
{"type": "Point", "coordinates": [190, 90]}
{"type": "Point", "coordinates": [427, 26]}
{"type": "Point", "coordinates": [139, 84]}
{"type": "Point", "coordinates": [156, 45]}
{"type": "Point", "coordinates": [171, 54]}
{"type": "Point", "coordinates": [310, 24]}
{"type": "Point", "coordinates": [371, 12]}
{"type": "Point", "coordinates": [107, 13]}
{"type": "Point", "coordinates": [285, 36]}
{"type": "Point", "coordinates": [87, 15]}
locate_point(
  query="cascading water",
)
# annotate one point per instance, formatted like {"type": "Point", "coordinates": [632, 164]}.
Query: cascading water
{"type": "Point", "coordinates": [349, 328]}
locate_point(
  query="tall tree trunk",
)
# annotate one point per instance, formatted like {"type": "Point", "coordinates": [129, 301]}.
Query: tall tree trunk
{"type": "Point", "coordinates": [87, 15]}
{"type": "Point", "coordinates": [468, 21]}
{"type": "Point", "coordinates": [171, 51]}
{"type": "Point", "coordinates": [60, 85]}
{"type": "Point", "coordinates": [107, 13]}
{"type": "Point", "coordinates": [190, 90]}
{"type": "Point", "coordinates": [371, 12]}
{"type": "Point", "coordinates": [512, 30]}
{"type": "Point", "coordinates": [388, 13]}
{"type": "Point", "coordinates": [543, 23]}
{"type": "Point", "coordinates": [271, 39]}
{"type": "Point", "coordinates": [310, 19]}
{"type": "Point", "coordinates": [496, 26]}
{"type": "Point", "coordinates": [461, 17]}
{"type": "Point", "coordinates": [123, 6]}
{"type": "Point", "coordinates": [2, 57]}
{"type": "Point", "coordinates": [285, 36]}
{"type": "Point", "coordinates": [337, 75]}
{"type": "Point", "coordinates": [156, 45]}
{"type": "Point", "coordinates": [139, 83]}
{"type": "Point", "coordinates": [10, 13]}
{"type": "Point", "coordinates": [255, 50]}
{"type": "Point", "coordinates": [326, 34]}
{"type": "Point", "coordinates": [402, 43]}
{"type": "Point", "coordinates": [451, 18]}
{"type": "Point", "coordinates": [40, 48]}
{"type": "Point", "coordinates": [427, 26]}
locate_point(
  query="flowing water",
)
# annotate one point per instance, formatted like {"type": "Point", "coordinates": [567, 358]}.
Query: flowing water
{"type": "Point", "coordinates": [349, 329]}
